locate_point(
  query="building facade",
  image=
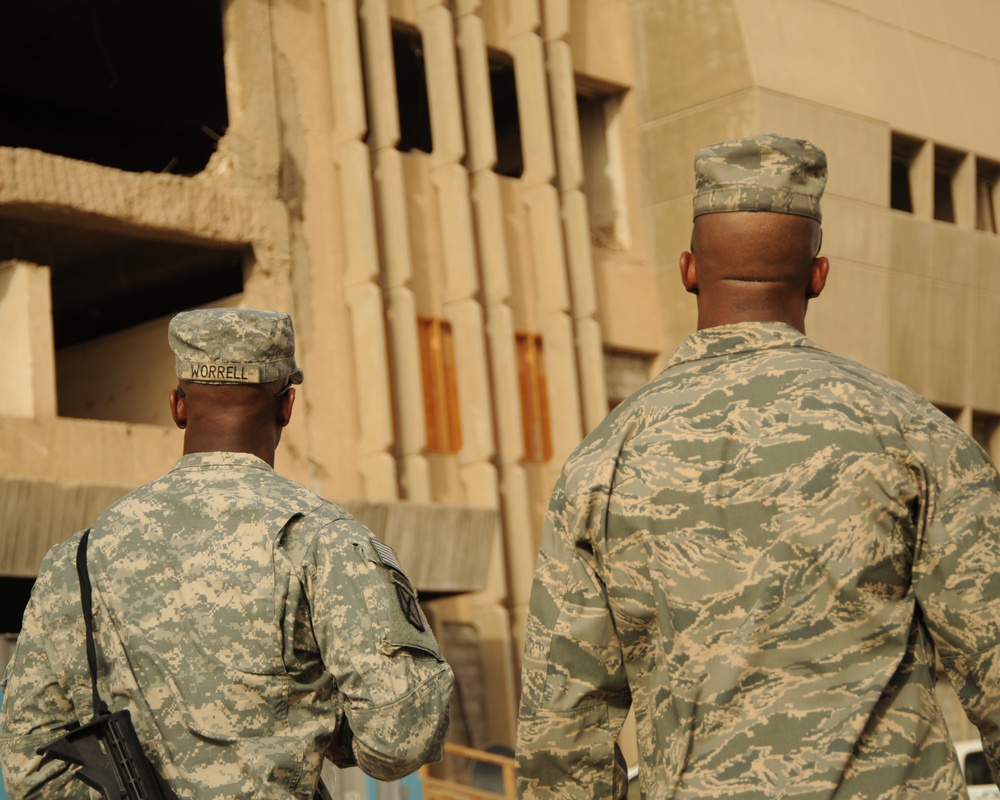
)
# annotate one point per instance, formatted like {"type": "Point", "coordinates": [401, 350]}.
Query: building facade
{"type": "Point", "coordinates": [473, 210]}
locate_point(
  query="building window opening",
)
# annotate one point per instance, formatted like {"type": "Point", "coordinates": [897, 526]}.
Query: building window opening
{"type": "Point", "coordinates": [537, 426]}
{"type": "Point", "coordinates": [625, 372]}
{"type": "Point", "coordinates": [946, 164]}
{"type": "Point", "coordinates": [977, 773]}
{"type": "Point", "coordinates": [600, 145]}
{"type": "Point", "coordinates": [985, 428]}
{"type": "Point", "coordinates": [411, 90]}
{"type": "Point", "coordinates": [904, 153]}
{"type": "Point", "coordinates": [987, 192]}
{"type": "Point", "coordinates": [137, 281]}
{"type": "Point", "coordinates": [16, 593]}
{"type": "Point", "coordinates": [104, 282]}
{"type": "Point", "coordinates": [107, 287]}
{"type": "Point", "coordinates": [437, 363]}
{"type": "Point", "coordinates": [135, 86]}
{"type": "Point", "coordinates": [951, 412]}
{"type": "Point", "coordinates": [506, 118]}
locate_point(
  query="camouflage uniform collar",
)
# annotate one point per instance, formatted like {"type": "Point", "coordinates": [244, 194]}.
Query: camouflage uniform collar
{"type": "Point", "coordinates": [741, 337]}
{"type": "Point", "coordinates": [221, 459]}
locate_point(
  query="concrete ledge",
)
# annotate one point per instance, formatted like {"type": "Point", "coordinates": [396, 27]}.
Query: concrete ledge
{"type": "Point", "coordinates": [33, 182]}
{"type": "Point", "coordinates": [442, 549]}
{"type": "Point", "coordinates": [38, 514]}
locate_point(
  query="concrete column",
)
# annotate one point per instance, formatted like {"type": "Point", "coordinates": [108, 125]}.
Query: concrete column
{"type": "Point", "coordinates": [964, 189]}
{"type": "Point", "coordinates": [964, 419]}
{"type": "Point", "coordinates": [495, 268]}
{"type": "Point", "coordinates": [397, 272]}
{"type": "Point", "coordinates": [922, 182]}
{"type": "Point", "coordinates": [364, 293]}
{"type": "Point", "coordinates": [463, 206]}
{"type": "Point", "coordinates": [28, 379]}
{"type": "Point", "coordinates": [252, 146]}
{"type": "Point", "coordinates": [541, 198]}
{"type": "Point", "coordinates": [575, 216]}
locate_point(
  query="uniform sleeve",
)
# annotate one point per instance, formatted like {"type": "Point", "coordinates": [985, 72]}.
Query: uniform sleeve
{"type": "Point", "coordinates": [956, 574]}
{"type": "Point", "coordinates": [377, 644]}
{"type": "Point", "coordinates": [37, 707]}
{"type": "Point", "coordinates": [574, 690]}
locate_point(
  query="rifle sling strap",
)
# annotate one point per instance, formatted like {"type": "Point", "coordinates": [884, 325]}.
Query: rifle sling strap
{"type": "Point", "coordinates": [100, 707]}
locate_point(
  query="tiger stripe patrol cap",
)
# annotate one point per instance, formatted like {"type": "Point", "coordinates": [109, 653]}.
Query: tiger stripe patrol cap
{"type": "Point", "coordinates": [234, 345]}
{"type": "Point", "coordinates": [761, 173]}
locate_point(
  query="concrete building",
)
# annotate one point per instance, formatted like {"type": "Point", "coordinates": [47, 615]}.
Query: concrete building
{"type": "Point", "coordinates": [473, 210]}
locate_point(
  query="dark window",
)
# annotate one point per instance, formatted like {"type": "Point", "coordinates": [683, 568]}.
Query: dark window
{"type": "Point", "coordinates": [103, 282]}
{"type": "Point", "coordinates": [600, 147]}
{"type": "Point", "coordinates": [946, 164]}
{"type": "Point", "coordinates": [506, 118]}
{"type": "Point", "coordinates": [984, 430]}
{"type": "Point", "coordinates": [625, 372]}
{"type": "Point", "coordinates": [136, 86]}
{"type": "Point", "coordinates": [904, 152]}
{"type": "Point", "coordinates": [952, 412]}
{"type": "Point", "coordinates": [411, 91]}
{"type": "Point", "coordinates": [987, 183]}
{"type": "Point", "coordinates": [16, 592]}
{"type": "Point", "coordinates": [977, 770]}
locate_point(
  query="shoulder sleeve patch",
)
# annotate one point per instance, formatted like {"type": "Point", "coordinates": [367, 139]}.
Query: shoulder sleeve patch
{"type": "Point", "coordinates": [386, 554]}
{"type": "Point", "coordinates": [406, 596]}
{"type": "Point", "coordinates": [408, 602]}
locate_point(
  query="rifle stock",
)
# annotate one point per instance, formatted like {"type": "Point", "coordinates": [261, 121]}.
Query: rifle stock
{"type": "Point", "coordinates": [113, 762]}
{"type": "Point", "coordinates": [111, 759]}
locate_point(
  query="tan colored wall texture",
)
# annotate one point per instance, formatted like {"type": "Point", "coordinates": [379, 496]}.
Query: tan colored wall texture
{"type": "Point", "coordinates": [438, 251]}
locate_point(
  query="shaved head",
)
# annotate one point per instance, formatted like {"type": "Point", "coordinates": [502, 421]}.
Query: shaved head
{"type": "Point", "coordinates": [755, 246]}
{"type": "Point", "coordinates": [754, 266]}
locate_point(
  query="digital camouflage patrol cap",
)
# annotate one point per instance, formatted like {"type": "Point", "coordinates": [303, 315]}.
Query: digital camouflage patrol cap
{"type": "Point", "coordinates": [761, 173]}
{"type": "Point", "coordinates": [234, 345]}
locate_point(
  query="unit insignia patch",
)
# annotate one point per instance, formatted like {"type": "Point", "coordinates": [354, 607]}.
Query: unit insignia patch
{"type": "Point", "coordinates": [408, 603]}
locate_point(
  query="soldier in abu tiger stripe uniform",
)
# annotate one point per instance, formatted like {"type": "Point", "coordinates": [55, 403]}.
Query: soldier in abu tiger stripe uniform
{"type": "Point", "coordinates": [762, 550]}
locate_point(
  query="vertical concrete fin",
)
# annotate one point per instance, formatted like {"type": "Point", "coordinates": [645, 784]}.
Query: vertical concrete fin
{"type": "Point", "coordinates": [28, 380]}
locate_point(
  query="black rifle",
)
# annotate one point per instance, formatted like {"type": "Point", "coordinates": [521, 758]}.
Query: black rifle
{"type": "Point", "coordinates": [107, 748]}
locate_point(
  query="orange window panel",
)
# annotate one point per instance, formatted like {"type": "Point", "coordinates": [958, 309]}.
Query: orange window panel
{"type": "Point", "coordinates": [534, 398]}
{"type": "Point", "coordinates": [437, 364]}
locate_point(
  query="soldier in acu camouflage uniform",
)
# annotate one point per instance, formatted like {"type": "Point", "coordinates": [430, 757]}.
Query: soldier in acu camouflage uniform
{"type": "Point", "coordinates": [249, 626]}
{"type": "Point", "coordinates": [762, 550]}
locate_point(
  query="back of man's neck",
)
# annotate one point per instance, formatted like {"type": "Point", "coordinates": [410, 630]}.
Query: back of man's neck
{"type": "Point", "coordinates": [195, 444]}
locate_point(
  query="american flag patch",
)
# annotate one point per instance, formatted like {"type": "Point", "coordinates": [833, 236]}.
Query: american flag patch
{"type": "Point", "coordinates": [386, 554]}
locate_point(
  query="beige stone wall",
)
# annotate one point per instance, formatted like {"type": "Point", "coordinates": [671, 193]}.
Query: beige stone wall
{"type": "Point", "coordinates": [28, 381]}
{"type": "Point", "coordinates": [360, 242]}
{"type": "Point", "coordinates": [909, 295]}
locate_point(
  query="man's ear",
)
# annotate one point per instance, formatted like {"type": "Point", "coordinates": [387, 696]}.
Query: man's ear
{"type": "Point", "coordinates": [177, 409]}
{"type": "Point", "coordinates": [285, 407]}
{"type": "Point", "coordinates": [689, 272]}
{"type": "Point", "coordinates": [817, 276]}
